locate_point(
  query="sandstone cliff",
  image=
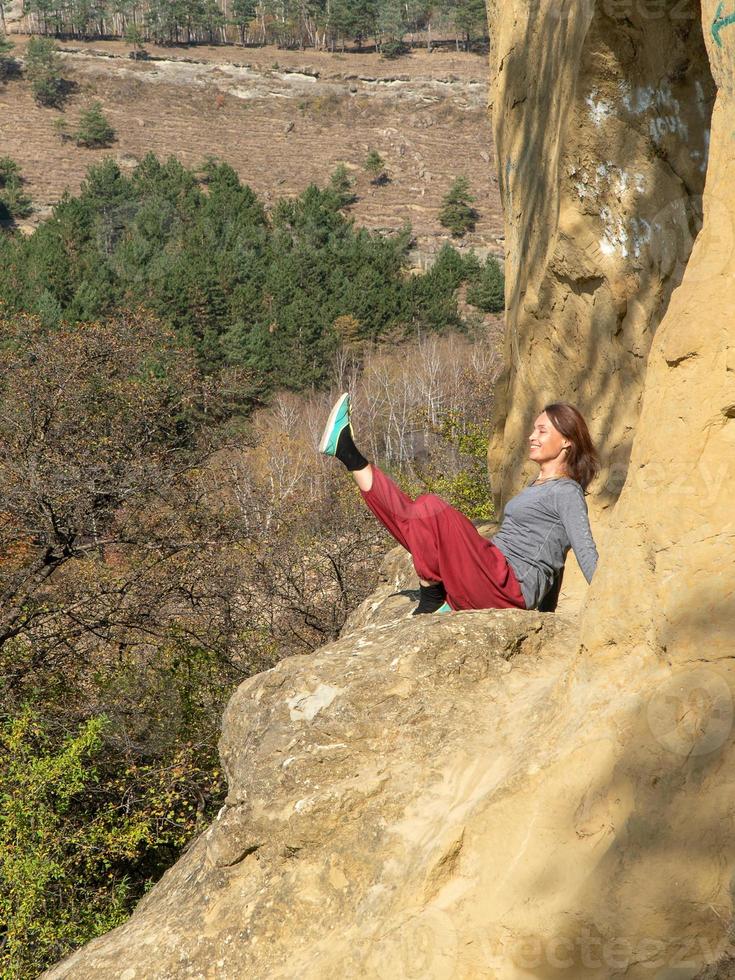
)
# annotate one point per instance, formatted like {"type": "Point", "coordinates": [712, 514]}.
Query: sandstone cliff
{"type": "Point", "coordinates": [504, 794]}
{"type": "Point", "coordinates": [458, 796]}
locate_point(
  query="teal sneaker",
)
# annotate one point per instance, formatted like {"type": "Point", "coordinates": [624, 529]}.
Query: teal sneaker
{"type": "Point", "coordinates": [339, 417]}
{"type": "Point", "coordinates": [445, 608]}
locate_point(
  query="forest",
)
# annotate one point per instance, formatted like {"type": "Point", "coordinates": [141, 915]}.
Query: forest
{"type": "Point", "coordinates": [392, 26]}
{"type": "Point", "coordinates": [169, 351]}
{"type": "Point", "coordinates": [273, 295]}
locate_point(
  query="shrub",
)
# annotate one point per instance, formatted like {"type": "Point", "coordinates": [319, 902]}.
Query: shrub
{"type": "Point", "coordinates": [7, 62]}
{"type": "Point", "coordinates": [457, 214]}
{"type": "Point", "coordinates": [43, 848]}
{"type": "Point", "coordinates": [487, 291]}
{"type": "Point", "coordinates": [341, 182]}
{"type": "Point", "coordinates": [61, 128]}
{"type": "Point", "coordinates": [9, 170]}
{"type": "Point", "coordinates": [133, 35]}
{"type": "Point", "coordinates": [43, 68]}
{"type": "Point", "coordinates": [394, 48]}
{"type": "Point", "coordinates": [375, 166]}
{"type": "Point", "coordinates": [467, 488]}
{"type": "Point", "coordinates": [13, 202]}
{"type": "Point", "coordinates": [82, 828]}
{"type": "Point", "coordinates": [94, 129]}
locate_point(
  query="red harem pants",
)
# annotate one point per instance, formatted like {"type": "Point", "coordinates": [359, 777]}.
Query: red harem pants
{"type": "Point", "coordinates": [445, 546]}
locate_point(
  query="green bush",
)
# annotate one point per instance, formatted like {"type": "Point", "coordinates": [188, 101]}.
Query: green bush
{"type": "Point", "coordinates": [487, 291]}
{"type": "Point", "coordinates": [394, 48]}
{"type": "Point", "coordinates": [90, 817]}
{"type": "Point", "coordinates": [6, 59]}
{"type": "Point", "coordinates": [341, 182]}
{"type": "Point", "coordinates": [133, 35]}
{"type": "Point", "coordinates": [56, 887]}
{"type": "Point", "coordinates": [9, 171]}
{"type": "Point", "coordinates": [375, 166]}
{"type": "Point", "coordinates": [43, 69]}
{"type": "Point", "coordinates": [94, 129]}
{"type": "Point", "coordinates": [468, 489]}
{"type": "Point", "coordinates": [457, 212]}
{"type": "Point", "coordinates": [13, 201]}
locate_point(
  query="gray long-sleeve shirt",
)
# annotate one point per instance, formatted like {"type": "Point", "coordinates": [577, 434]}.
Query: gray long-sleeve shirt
{"type": "Point", "coordinates": [539, 526]}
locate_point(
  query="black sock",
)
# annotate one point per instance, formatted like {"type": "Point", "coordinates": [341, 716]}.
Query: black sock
{"type": "Point", "coordinates": [348, 453]}
{"type": "Point", "coordinates": [430, 598]}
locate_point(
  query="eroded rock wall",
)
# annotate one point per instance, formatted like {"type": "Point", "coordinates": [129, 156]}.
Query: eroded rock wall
{"type": "Point", "coordinates": [601, 114]}
{"type": "Point", "coordinates": [667, 579]}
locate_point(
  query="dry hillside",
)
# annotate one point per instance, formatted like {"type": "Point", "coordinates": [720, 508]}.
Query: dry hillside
{"type": "Point", "coordinates": [282, 119]}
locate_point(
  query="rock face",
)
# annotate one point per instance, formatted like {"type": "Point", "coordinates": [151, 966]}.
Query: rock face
{"type": "Point", "coordinates": [463, 795]}
{"type": "Point", "coordinates": [504, 794]}
{"type": "Point", "coordinates": [673, 528]}
{"type": "Point", "coordinates": [602, 128]}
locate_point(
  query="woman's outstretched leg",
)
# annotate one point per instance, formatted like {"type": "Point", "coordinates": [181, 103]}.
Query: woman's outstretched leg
{"type": "Point", "coordinates": [445, 545]}
{"type": "Point", "coordinates": [391, 505]}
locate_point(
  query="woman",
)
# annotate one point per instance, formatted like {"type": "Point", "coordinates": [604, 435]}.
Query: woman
{"type": "Point", "coordinates": [458, 568]}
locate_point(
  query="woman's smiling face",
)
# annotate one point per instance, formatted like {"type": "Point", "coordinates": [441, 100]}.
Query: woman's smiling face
{"type": "Point", "coordinates": [545, 442]}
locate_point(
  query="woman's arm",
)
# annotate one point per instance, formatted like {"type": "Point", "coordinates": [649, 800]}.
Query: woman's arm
{"type": "Point", "coordinates": [572, 509]}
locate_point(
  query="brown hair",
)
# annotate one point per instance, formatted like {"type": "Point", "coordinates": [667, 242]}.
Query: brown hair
{"type": "Point", "coordinates": [581, 460]}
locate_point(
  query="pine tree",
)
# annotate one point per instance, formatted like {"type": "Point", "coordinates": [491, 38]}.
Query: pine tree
{"type": "Point", "coordinates": [375, 165]}
{"type": "Point", "coordinates": [244, 12]}
{"type": "Point", "coordinates": [341, 183]}
{"type": "Point", "coordinates": [469, 18]}
{"type": "Point", "coordinates": [43, 68]}
{"type": "Point", "coordinates": [134, 36]}
{"type": "Point", "coordinates": [457, 214]}
{"type": "Point", "coordinates": [363, 19]}
{"type": "Point", "coordinates": [13, 201]}
{"type": "Point", "coordinates": [6, 60]}
{"type": "Point", "coordinates": [340, 23]}
{"type": "Point", "coordinates": [487, 292]}
{"type": "Point", "coordinates": [392, 28]}
{"type": "Point", "coordinates": [94, 129]}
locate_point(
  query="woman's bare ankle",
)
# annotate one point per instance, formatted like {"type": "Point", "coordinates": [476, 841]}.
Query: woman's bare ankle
{"type": "Point", "coordinates": [364, 477]}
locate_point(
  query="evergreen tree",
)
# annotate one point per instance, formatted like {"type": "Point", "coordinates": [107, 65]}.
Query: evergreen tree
{"type": "Point", "coordinates": [363, 20]}
{"type": "Point", "coordinates": [341, 22]}
{"type": "Point", "coordinates": [375, 166]}
{"type": "Point", "coordinates": [469, 18]}
{"type": "Point", "coordinates": [487, 292]}
{"type": "Point", "coordinates": [134, 36]}
{"type": "Point", "coordinates": [244, 12]}
{"type": "Point", "coordinates": [43, 68]}
{"type": "Point", "coordinates": [240, 287]}
{"type": "Point", "coordinates": [457, 214]}
{"type": "Point", "coordinates": [341, 183]}
{"type": "Point", "coordinates": [392, 28]}
{"type": "Point", "coordinates": [94, 129]}
{"type": "Point", "coordinates": [9, 170]}
{"type": "Point", "coordinates": [13, 201]}
{"type": "Point", "coordinates": [6, 60]}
